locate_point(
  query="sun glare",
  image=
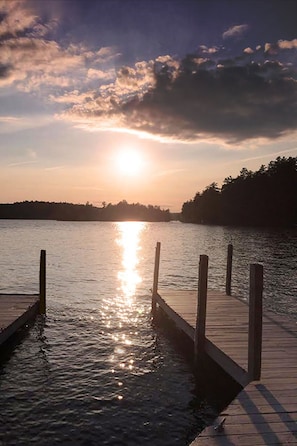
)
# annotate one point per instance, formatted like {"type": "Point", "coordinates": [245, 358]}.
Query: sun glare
{"type": "Point", "coordinates": [129, 162]}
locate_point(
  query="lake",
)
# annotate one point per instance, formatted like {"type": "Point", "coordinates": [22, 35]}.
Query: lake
{"type": "Point", "coordinates": [96, 372]}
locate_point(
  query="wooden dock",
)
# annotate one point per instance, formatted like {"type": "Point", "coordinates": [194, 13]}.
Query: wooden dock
{"type": "Point", "coordinates": [16, 310]}
{"type": "Point", "coordinates": [257, 350]}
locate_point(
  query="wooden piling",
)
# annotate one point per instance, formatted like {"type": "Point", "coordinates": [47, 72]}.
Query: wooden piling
{"type": "Point", "coordinates": [255, 322]}
{"type": "Point", "coordinates": [229, 269]}
{"type": "Point", "coordinates": [199, 341]}
{"type": "Point", "coordinates": [42, 282]}
{"type": "Point", "coordinates": [156, 278]}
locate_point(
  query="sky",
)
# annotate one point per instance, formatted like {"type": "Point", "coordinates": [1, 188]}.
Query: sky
{"type": "Point", "coordinates": [148, 101]}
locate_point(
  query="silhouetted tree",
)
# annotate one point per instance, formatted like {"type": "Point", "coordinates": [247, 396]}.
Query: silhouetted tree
{"type": "Point", "coordinates": [67, 211]}
{"type": "Point", "coordinates": [265, 197]}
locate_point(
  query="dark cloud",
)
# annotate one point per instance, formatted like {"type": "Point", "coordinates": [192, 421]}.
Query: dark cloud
{"type": "Point", "coordinates": [232, 102]}
{"type": "Point", "coordinates": [4, 71]}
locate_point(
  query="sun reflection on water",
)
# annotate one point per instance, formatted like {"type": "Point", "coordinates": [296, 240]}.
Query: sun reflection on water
{"type": "Point", "coordinates": [125, 310]}
{"type": "Point", "coordinates": [128, 240]}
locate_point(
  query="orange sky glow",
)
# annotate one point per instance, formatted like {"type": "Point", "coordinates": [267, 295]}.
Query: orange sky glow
{"type": "Point", "coordinates": [96, 109]}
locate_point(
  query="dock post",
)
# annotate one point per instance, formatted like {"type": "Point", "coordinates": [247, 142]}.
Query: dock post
{"type": "Point", "coordinates": [229, 269]}
{"type": "Point", "coordinates": [199, 341]}
{"type": "Point", "coordinates": [255, 322]}
{"type": "Point", "coordinates": [42, 282]}
{"type": "Point", "coordinates": [156, 278]}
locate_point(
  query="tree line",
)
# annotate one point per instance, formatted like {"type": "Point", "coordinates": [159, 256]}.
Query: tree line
{"type": "Point", "coordinates": [266, 197]}
{"type": "Point", "coordinates": [41, 210]}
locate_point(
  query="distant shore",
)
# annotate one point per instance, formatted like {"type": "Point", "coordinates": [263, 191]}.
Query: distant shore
{"type": "Point", "coordinates": [41, 210]}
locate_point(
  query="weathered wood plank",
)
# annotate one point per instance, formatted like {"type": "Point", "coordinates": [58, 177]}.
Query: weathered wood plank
{"type": "Point", "coordinates": [265, 439]}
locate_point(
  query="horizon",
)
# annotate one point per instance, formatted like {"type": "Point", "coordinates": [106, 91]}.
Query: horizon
{"type": "Point", "coordinates": [81, 204]}
{"type": "Point", "coordinates": [104, 204]}
{"type": "Point", "coordinates": [144, 101]}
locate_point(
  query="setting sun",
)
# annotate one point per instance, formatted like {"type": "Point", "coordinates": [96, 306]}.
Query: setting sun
{"type": "Point", "coordinates": [130, 162]}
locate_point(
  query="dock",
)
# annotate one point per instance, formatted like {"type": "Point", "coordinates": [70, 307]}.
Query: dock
{"type": "Point", "coordinates": [17, 310]}
{"type": "Point", "coordinates": [257, 349]}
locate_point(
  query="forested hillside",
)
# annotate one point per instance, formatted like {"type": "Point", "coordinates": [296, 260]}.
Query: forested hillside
{"type": "Point", "coordinates": [40, 210]}
{"type": "Point", "coordinates": [267, 197]}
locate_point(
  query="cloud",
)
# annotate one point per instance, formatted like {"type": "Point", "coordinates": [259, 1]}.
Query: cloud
{"type": "Point", "coordinates": [73, 97]}
{"type": "Point", "coordinates": [105, 54]}
{"type": "Point", "coordinates": [202, 96]}
{"type": "Point", "coordinates": [194, 101]}
{"type": "Point", "coordinates": [271, 48]}
{"type": "Point", "coordinates": [287, 44]}
{"type": "Point", "coordinates": [276, 48]}
{"type": "Point", "coordinates": [168, 172]}
{"type": "Point", "coordinates": [212, 50]}
{"type": "Point", "coordinates": [93, 73]}
{"type": "Point", "coordinates": [135, 80]}
{"type": "Point", "coordinates": [4, 70]}
{"type": "Point", "coordinates": [15, 18]}
{"type": "Point", "coordinates": [30, 61]}
{"type": "Point", "coordinates": [267, 155]}
{"type": "Point", "coordinates": [38, 62]}
{"type": "Point", "coordinates": [9, 119]}
{"type": "Point", "coordinates": [12, 124]}
{"type": "Point", "coordinates": [21, 163]}
{"type": "Point", "coordinates": [235, 31]}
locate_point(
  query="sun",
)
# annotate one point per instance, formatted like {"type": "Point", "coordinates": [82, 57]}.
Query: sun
{"type": "Point", "coordinates": [129, 162]}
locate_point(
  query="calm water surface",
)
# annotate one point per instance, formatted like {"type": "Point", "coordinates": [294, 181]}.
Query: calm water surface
{"type": "Point", "coordinates": [96, 372]}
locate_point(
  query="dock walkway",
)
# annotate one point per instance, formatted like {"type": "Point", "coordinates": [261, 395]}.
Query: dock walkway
{"type": "Point", "coordinates": [265, 412]}
{"type": "Point", "coordinates": [257, 350]}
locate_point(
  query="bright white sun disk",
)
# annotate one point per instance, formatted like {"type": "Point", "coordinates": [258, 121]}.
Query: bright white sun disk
{"type": "Point", "coordinates": [129, 162]}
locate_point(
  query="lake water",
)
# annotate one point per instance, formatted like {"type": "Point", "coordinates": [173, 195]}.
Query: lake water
{"type": "Point", "coordinates": [96, 372]}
